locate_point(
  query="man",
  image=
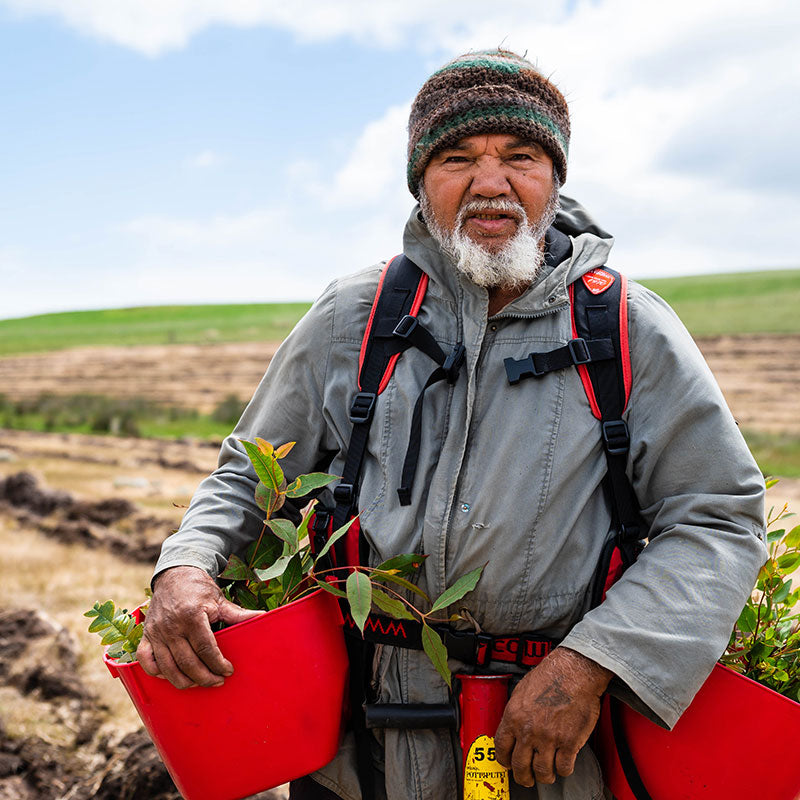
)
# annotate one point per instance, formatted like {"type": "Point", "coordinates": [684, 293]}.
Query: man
{"type": "Point", "coordinates": [512, 475]}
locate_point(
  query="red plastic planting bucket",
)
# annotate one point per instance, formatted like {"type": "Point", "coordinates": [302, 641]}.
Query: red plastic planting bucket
{"type": "Point", "coordinates": [719, 749]}
{"type": "Point", "coordinates": [278, 717]}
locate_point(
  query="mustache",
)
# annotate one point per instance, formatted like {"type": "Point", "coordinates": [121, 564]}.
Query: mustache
{"type": "Point", "coordinates": [501, 205]}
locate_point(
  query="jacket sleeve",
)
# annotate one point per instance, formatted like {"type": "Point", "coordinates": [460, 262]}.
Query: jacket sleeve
{"type": "Point", "coordinates": [223, 517]}
{"type": "Point", "coordinates": [668, 619]}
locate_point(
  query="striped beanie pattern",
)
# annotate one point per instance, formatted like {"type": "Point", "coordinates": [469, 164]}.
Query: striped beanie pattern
{"type": "Point", "coordinates": [491, 91]}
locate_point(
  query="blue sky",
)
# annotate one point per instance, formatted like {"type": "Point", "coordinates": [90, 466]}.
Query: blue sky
{"type": "Point", "coordinates": [154, 151]}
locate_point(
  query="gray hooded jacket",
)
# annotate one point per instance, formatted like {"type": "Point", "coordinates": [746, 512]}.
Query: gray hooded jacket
{"type": "Point", "coordinates": [512, 475]}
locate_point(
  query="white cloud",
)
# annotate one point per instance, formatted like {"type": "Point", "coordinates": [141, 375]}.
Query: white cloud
{"type": "Point", "coordinates": [205, 159]}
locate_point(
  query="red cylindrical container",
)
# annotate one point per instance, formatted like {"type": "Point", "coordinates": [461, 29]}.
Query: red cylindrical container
{"type": "Point", "coordinates": [719, 749]}
{"type": "Point", "coordinates": [278, 717]}
{"type": "Point", "coordinates": [481, 701]}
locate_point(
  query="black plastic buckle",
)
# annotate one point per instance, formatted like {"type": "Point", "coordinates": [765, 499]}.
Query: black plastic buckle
{"type": "Point", "coordinates": [461, 645]}
{"type": "Point", "coordinates": [321, 521]}
{"type": "Point", "coordinates": [452, 364]}
{"type": "Point", "coordinates": [524, 368]}
{"type": "Point", "coordinates": [616, 437]}
{"type": "Point", "coordinates": [406, 326]}
{"type": "Point", "coordinates": [579, 351]}
{"type": "Point", "coordinates": [362, 407]}
{"type": "Point", "coordinates": [344, 493]}
{"type": "Point", "coordinates": [629, 533]}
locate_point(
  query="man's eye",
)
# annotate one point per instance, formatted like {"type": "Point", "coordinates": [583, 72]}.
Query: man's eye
{"type": "Point", "coordinates": [455, 160]}
{"type": "Point", "coordinates": [521, 157]}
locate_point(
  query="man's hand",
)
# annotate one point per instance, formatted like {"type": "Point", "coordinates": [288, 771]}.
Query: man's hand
{"type": "Point", "coordinates": [177, 643]}
{"type": "Point", "coordinates": [549, 717]}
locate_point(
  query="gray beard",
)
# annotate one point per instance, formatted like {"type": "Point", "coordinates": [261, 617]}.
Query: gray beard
{"type": "Point", "coordinates": [518, 264]}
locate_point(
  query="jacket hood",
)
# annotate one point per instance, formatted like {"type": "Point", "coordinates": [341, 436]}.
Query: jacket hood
{"type": "Point", "coordinates": [591, 246]}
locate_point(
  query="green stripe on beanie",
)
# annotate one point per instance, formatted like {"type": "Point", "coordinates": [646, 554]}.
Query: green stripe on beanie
{"type": "Point", "coordinates": [493, 91]}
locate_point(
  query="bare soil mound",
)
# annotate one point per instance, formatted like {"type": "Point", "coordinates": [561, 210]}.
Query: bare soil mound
{"type": "Point", "coordinates": [59, 515]}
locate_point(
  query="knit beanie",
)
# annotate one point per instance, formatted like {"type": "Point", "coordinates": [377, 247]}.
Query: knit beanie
{"type": "Point", "coordinates": [491, 91]}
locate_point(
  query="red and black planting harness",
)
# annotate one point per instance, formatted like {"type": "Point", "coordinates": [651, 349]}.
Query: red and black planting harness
{"type": "Point", "coordinates": [598, 350]}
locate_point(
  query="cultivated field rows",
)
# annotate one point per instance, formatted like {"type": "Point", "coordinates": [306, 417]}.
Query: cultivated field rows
{"type": "Point", "coordinates": [759, 375]}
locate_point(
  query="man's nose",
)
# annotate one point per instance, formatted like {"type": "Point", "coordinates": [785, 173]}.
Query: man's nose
{"type": "Point", "coordinates": [490, 178]}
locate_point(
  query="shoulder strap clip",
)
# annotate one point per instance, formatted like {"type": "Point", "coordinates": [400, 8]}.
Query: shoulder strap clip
{"type": "Point", "coordinates": [362, 407]}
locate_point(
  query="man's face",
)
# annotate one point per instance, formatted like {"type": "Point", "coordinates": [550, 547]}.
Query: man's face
{"type": "Point", "coordinates": [492, 168]}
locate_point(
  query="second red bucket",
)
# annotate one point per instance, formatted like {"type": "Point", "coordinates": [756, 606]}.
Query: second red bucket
{"type": "Point", "coordinates": [278, 717]}
{"type": "Point", "coordinates": [719, 749]}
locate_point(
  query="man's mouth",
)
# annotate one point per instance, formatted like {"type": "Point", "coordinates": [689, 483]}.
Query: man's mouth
{"type": "Point", "coordinates": [491, 216]}
{"type": "Point", "coordinates": [491, 223]}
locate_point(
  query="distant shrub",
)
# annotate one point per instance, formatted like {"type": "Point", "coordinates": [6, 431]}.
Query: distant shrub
{"type": "Point", "coordinates": [228, 410]}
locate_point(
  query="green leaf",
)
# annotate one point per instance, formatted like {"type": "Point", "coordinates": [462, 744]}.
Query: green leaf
{"type": "Point", "coordinates": [98, 625]}
{"type": "Point", "coordinates": [264, 496]}
{"type": "Point", "coordinates": [237, 570]}
{"type": "Point", "coordinates": [436, 652]}
{"type": "Point", "coordinates": [334, 537]}
{"type": "Point", "coordinates": [245, 598]}
{"type": "Point", "coordinates": [275, 570]}
{"type": "Point", "coordinates": [331, 589]}
{"type": "Point", "coordinates": [268, 550]}
{"type": "Point", "coordinates": [775, 536]}
{"type": "Point", "coordinates": [266, 466]}
{"type": "Point", "coordinates": [107, 610]}
{"type": "Point", "coordinates": [747, 619]}
{"type": "Point", "coordinates": [285, 531]}
{"type": "Point", "coordinates": [404, 564]}
{"type": "Point", "coordinates": [793, 537]}
{"type": "Point", "coordinates": [390, 578]}
{"type": "Point", "coordinates": [112, 635]}
{"type": "Point", "coordinates": [304, 484]}
{"type": "Point", "coordinates": [789, 562]}
{"type": "Point", "coordinates": [782, 593]}
{"type": "Point", "coordinates": [359, 596]}
{"type": "Point", "coordinates": [293, 574]}
{"type": "Point", "coordinates": [390, 605]}
{"type": "Point", "coordinates": [466, 583]}
{"type": "Point", "coordinates": [770, 482]}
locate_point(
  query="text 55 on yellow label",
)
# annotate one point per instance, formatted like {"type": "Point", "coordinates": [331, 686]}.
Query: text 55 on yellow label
{"type": "Point", "coordinates": [484, 777]}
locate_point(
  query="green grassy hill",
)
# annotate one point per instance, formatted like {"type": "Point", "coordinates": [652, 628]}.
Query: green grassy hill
{"type": "Point", "coordinates": [150, 325]}
{"type": "Point", "coordinates": [733, 303]}
{"type": "Point", "coordinates": [736, 302]}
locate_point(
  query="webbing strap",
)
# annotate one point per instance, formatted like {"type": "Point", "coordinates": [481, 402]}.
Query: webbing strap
{"type": "Point", "coordinates": [597, 317]}
{"type": "Point", "coordinates": [393, 303]}
{"type": "Point", "coordinates": [478, 649]}
{"type": "Point", "coordinates": [448, 370]}
{"type": "Point", "coordinates": [635, 782]}
{"type": "Point", "coordinates": [577, 351]}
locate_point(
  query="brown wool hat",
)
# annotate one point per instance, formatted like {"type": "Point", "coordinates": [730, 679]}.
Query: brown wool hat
{"type": "Point", "coordinates": [492, 91]}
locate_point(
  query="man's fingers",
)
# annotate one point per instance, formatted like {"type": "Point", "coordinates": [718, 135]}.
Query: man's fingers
{"type": "Point", "coordinates": [503, 744]}
{"type": "Point", "coordinates": [166, 665]}
{"type": "Point", "coordinates": [543, 765]}
{"type": "Point", "coordinates": [521, 764]}
{"type": "Point", "coordinates": [565, 762]}
{"type": "Point", "coordinates": [145, 657]}
{"type": "Point", "coordinates": [230, 614]}
{"type": "Point", "coordinates": [187, 661]}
